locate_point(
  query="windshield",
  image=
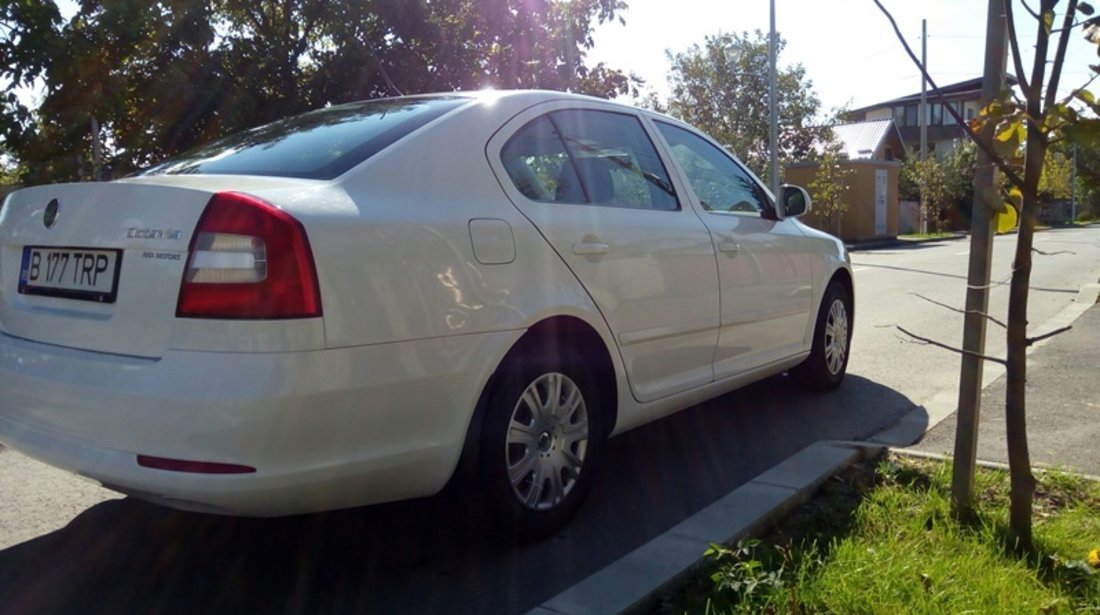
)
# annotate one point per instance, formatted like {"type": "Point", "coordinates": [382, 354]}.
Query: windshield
{"type": "Point", "coordinates": [320, 144]}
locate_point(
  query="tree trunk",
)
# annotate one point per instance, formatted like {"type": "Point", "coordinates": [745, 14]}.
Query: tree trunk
{"type": "Point", "coordinates": [1019, 459]}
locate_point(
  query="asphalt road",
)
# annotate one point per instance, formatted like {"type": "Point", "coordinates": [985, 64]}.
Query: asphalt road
{"type": "Point", "coordinates": [67, 546]}
{"type": "Point", "coordinates": [1063, 405]}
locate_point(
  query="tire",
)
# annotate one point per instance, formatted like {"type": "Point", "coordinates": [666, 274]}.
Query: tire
{"type": "Point", "coordinates": [541, 442]}
{"type": "Point", "coordinates": [824, 369]}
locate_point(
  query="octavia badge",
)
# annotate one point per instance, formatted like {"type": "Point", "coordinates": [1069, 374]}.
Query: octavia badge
{"type": "Point", "coordinates": [50, 217]}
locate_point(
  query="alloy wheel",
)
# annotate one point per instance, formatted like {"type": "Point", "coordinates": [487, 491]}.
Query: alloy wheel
{"type": "Point", "coordinates": [836, 337]}
{"type": "Point", "coordinates": [547, 441]}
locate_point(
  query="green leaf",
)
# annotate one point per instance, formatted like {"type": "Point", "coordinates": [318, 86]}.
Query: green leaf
{"type": "Point", "coordinates": [1085, 131]}
{"type": "Point", "coordinates": [1086, 96]}
{"type": "Point", "coordinates": [1084, 8]}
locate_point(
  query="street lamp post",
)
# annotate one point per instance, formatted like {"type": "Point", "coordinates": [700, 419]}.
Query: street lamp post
{"type": "Point", "coordinates": [773, 108]}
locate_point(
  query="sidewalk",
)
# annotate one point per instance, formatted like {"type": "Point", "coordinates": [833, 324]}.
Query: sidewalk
{"type": "Point", "coordinates": [1063, 405]}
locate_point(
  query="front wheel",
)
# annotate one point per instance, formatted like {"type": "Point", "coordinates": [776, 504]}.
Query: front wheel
{"type": "Point", "coordinates": [824, 369]}
{"type": "Point", "coordinates": [542, 440]}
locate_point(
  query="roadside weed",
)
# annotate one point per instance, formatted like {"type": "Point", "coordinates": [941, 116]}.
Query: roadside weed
{"type": "Point", "coordinates": [880, 538]}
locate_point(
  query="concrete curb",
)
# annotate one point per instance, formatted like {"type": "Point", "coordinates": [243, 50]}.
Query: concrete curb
{"type": "Point", "coordinates": [896, 242]}
{"type": "Point", "coordinates": [630, 584]}
{"type": "Point", "coordinates": [878, 244]}
{"type": "Point", "coordinates": [1036, 467]}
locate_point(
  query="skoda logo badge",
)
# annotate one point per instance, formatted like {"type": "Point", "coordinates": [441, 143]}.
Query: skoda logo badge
{"type": "Point", "coordinates": [50, 217]}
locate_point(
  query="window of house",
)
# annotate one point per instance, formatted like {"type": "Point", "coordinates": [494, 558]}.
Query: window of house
{"type": "Point", "coordinates": [948, 119]}
{"type": "Point", "coordinates": [583, 156]}
{"type": "Point", "coordinates": [899, 115]}
{"type": "Point", "coordinates": [911, 115]}
{"type": "Point", "coordinates": [935, 114]}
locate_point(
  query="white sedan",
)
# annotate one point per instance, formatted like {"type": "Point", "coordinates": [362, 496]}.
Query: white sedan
{"type": "Point", "coordinates": [360, 304]}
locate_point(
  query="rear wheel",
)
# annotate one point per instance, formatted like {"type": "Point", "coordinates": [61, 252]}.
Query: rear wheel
{"type": "Point", "coordinates": [824, 369]}
{"type": "Point", "coordinates": [542, 440]}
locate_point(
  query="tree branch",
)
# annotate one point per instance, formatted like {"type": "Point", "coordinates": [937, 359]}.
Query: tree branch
{"type": "Point", "coordinates": [951, 348]}
{"type": "Point", "coordinates": [1060, 55]}
{"type": "Point", "coordinates": [1034, 340]}
{"type": "Point", "coordinates": [957, 310]}
{"type": "Point", "coordinates": [1017, 60]}
{"type": "Point", "coordinates": [1083, 87]}
{"type": "Point", "coordinates": [1038, 251]}
{"type": "Point", "coordinates": [1038, 69]}
{"type": "Point", "coordinates": [1030, 10]}
{"type": "Point", "coordinates": [985, 147]}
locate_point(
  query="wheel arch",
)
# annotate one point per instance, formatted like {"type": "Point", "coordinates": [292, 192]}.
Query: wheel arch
{"type": "Point", "coordinates": [556, 331]}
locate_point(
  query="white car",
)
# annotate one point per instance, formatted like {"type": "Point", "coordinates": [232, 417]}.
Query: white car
{"type": "Point", "coordinates": [358, 304]}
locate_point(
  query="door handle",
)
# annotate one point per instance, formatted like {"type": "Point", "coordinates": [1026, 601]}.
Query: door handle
{"type": "Point", "coordinates": [590, 249]}
{"type": "Point", "coordinates": [728, 246]}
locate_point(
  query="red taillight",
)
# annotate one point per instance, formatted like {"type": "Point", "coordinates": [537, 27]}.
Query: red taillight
{"type": "Point", "coordinates": [248, 259]}
{"type": "Point", "coordinates": [193, 467]}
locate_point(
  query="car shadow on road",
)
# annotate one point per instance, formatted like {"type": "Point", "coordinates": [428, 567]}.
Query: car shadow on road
{"type": "Point", "coordinates": [430, 555]}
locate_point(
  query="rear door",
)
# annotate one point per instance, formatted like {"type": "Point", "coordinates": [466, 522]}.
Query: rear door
{"type": "Point", "coordinates": [593, 183]}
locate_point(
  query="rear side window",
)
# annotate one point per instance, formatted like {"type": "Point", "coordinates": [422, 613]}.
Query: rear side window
{"type": "Point", "coordinates": [320, 144]}
{"type": "Point", "coordinates": [596, 157]}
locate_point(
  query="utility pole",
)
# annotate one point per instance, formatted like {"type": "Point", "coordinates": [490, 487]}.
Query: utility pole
{"type": "Point", "coordinates": [97, 152]}
{"type": "Point", "coordinates": [977, 289]}
{"type": "Point", "coordinates": [773, 108]}
{"type": "Point", "coordinates": [1073, 189]}
{"type": "Point", "coordinates": [923, 113]}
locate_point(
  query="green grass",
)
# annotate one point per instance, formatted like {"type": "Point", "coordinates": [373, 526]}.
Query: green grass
{"type": "Point", "coordinates": [881, 539]}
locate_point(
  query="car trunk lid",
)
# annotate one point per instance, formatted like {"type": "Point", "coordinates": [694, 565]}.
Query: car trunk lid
{"type": "Point", "coordinates": [96, 266]}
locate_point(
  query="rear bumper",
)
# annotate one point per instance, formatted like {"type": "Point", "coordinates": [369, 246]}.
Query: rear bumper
{"type": "Point", "coordinates": [324, 429]}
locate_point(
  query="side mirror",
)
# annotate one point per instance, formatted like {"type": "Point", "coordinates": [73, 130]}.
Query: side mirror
{"type": "Point", "coordinates": [794, 201]}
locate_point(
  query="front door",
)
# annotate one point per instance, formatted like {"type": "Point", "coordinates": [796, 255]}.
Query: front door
{"type": "Point", "coordinates": [763, 263]}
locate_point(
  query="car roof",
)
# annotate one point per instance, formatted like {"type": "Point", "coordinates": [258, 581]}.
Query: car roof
{"type": "Point", "coordinates": [516, 100]}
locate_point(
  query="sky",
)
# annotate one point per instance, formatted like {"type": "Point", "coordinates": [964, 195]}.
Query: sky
{"type": "Point", "coordinates": [850, 52]}
{"type": "Point", "coordinates": [848, 48]}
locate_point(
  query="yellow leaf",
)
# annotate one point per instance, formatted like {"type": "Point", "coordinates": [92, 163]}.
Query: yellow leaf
{"type": "Point", "coordinates": [1006, 220]}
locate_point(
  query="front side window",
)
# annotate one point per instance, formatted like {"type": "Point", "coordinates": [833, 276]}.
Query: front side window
{"type": "Point", "coordinates": [595, 157]}
{"type": "Point", "coordinates": [720, 183]}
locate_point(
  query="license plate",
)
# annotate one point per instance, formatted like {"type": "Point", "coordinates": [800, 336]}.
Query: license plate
{"type": "Point", "coordinates": [72, 273]}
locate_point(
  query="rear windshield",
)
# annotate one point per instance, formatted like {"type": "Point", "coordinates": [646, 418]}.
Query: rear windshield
{"type": "Point", "coordinates": [320, 144]}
